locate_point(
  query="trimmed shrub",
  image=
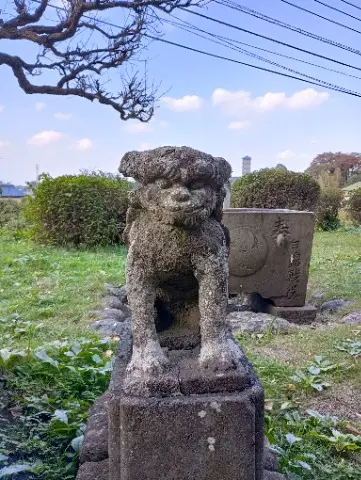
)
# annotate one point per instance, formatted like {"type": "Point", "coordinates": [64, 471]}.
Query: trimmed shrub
{"type": "Point", "coordinates": [354, 206]}
{"type": "Point", "coordinates": [87, 209]}
{"type": "Point", "coordinates": [328, 209]}
{"type": "Point", "coordinates": [275, 188]}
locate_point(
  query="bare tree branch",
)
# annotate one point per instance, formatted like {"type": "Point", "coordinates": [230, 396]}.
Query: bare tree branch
{"type": "Point", "coordinates": [78, 69]}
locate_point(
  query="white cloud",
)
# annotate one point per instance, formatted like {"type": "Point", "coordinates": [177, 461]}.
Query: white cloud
{"type": "Point", "coordinates": [63, 116]}
{"type": "Point", "coordinates": [184, 104]}
{"type": "Point", "coordinates": [241, 103]}
{"type": "Point", "coordinates": [138, 127]}
{"type": "Point", "coordinates": [45, 138]}
{"type": "Point", "coordinates": [83, 144]}
{"type": "Point", "coordinates": [286, 154]}
{"type": "Point", "coordinates": [40, 106]}
{"type": "Point", "coordinates": [307, 99]}
{"type": "Point", "coordinates": [242, 125]}
{"type": "Point", "coordinates": [1, 108]}
{"type": "Point", "coordinates": [4, 143]}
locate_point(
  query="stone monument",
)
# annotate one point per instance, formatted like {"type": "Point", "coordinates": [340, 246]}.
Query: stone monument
{"type": "Point", "coordinates": [269, 260]}
{"type": "Point", "coordinates": [188, 404]}
{"type": "Point", "coordinates": [184, 402]}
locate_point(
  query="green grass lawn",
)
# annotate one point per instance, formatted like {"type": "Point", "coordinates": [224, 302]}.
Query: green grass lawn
{"type": "Point", "coordinates": [54, 366]}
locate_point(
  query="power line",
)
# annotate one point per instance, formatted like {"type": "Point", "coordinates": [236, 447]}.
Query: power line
{"type": "Point", "coordinates": [271, 39]}
{"type": "Point", "coordinates": [352, 4]}
{"type": "Point", "coordinates": [338, 10]}
{"type": "Point", "coordinates": [233, 41]}
{"type": "Point", "coordinates": [321, 16]}
{"type": "Point", "coordinates": [221, 57]}
{"type": "Point", "coordinates": [229, 43]}
{"type": "Point", "coordinates": [279, 23]}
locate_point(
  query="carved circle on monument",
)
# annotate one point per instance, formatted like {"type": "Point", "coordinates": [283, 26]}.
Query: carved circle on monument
{"type": "Point", "coordinates": [248, 252]}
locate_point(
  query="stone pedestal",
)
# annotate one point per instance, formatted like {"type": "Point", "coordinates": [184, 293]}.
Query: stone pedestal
{"type": "Point", "coordinates": [211, 429]}
{"type": "Point", "coordinates": [270, 256]}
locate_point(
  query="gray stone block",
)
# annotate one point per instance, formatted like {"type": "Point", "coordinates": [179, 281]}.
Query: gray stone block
{"type": "Point", "coordinates": [270, 253]}
{"type": "Point", "coordinates": [298, 315]}
{"type": "Point", "coordinates": [94, 471]}
{"type": "Point", "coordinates": [203, 437]}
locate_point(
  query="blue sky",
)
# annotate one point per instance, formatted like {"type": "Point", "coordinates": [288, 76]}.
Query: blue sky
{"type": "Point", "coordinates": [222, 108]}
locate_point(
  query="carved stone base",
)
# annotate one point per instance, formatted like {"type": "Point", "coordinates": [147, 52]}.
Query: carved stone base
{"type": "Point", "coordinates": [211, 429]}
{"type": "Point", "coordinates": [299, 315]}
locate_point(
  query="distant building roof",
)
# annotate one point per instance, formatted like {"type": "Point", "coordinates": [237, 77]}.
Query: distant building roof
{"type": "Point", "coordinates": [354, 186]}
{"type": "Point", "coordinates": [8, 190]}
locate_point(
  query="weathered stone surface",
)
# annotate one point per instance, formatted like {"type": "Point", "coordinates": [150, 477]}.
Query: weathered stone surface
{"type": "Point", "coordinates": [177, 264]}
{"type": "Point", "coordinates": [270, 253]}
{"type": "Point", "coordinates": [353, 318]}
{"type": "Point", "coordinates": [111, 301]}
{"type": "Point", "coordinates": [334, 306]}
{"type": "Point", "coordinates": [208, 437]}
{"type": "Point", "coordinates": [270, 459]}
{"type": "Point", "coordinates": [252, 322]}
{"type": "Point", "coordinates": [109, 326]}
{"type": "Point", "coordinates": [118, 291]}
{"type": "Point", "coordinates": [114, 313]}
{"type": "Point", "coordinates": [94, 471]}
{"type": "Point", "coordinates": [273, 476]}
{"type": "Point", "coordinates": [298, 315]}
{"type": "Point", "coordinates": [95, 444]}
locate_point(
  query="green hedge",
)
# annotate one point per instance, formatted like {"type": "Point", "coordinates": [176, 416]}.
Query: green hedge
{"type": "Point", "coordinates": [275, 188]}
{"type": "Point", "coordinates": [354, 205]}
{"type": "Point", "coordinates": [10, 213]}
{"type": "Point", "coordinates": [86, 209]}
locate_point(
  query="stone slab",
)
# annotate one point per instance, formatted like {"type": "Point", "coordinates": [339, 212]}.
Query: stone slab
{"type": "Point", "coordinates": [94, 471]}
{"type": "Point", "coordinates": [270, 253]}
{"type": "Point", "coordinates": [203, 437]}
{"type": "Point", "coordinates": [298, 315]}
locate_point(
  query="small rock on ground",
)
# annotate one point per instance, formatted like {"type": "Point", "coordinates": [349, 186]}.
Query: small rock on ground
{"type": "Point", "coordinates": [353, 318]}
{"type": "Point", "coordinates": [333, 306]}
{"type": "Point", "coordinates": [120, 291]}
{"type": "Point", "coordinates": [251, 322]}
{"type": "Point", "coordinates": [109, 326]}
{"type": "Point", "coordinates": [114, 313]}
{"type": "Point", "coordinates": [111, 301]}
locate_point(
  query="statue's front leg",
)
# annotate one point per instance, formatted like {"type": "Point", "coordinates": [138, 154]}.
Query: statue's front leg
{"type": "Point", "coordinates": [147, 357]}
{"type": "Point", "coordinates": [217, 352]}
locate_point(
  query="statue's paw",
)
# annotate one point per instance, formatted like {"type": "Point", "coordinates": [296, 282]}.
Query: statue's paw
{"type": "Point", "coordinates": [148, 362]}
{"type": "Point", "coordinates": [218, 357]}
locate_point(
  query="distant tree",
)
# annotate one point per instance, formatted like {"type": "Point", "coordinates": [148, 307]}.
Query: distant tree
{"type": "Point", "coordinates": [348, 163]}
{"type": "Point", "coordinates": [354, 179]}
{"type": "Point", "coordinates": [76, 51]}
{"type": "Point", "coordinates": [280, 166]}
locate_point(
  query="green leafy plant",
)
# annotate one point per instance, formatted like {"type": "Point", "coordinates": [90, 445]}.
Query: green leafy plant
{"type": "Point", "coordinates": [311, 378]}
{"type": "Point", "coordinates": [87, 209]}
{"type": "Point", "coordinates": [353, 347]}
{"type": "Point", "coordinates": [274, 188]}
{"type": "Point", "coordinates": [341, 442]}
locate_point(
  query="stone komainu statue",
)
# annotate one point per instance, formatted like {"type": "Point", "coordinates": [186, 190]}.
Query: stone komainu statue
{"type": "Point", "coordinates": [177, 265]}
